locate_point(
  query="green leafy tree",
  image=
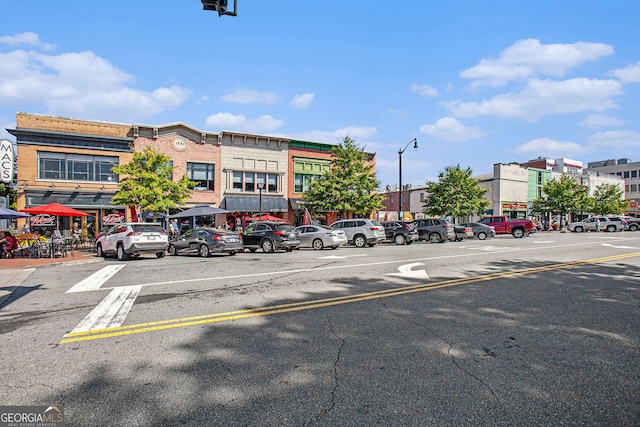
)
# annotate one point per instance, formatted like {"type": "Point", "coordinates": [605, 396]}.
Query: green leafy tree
{"type": "Point", "coordinates": [349, 186]}
{"type": "Point", "coordinates": [563, 196]}
{"type": "Point", "coordinates": [609, 199]}
{"type": "Point", "coordinates": [456, 194]}
{"type": "Point", "coordinates": [147, 183]}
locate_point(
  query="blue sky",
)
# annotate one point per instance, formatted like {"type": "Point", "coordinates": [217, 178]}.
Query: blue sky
{"type": "Point", "coordinates": [476, 82]}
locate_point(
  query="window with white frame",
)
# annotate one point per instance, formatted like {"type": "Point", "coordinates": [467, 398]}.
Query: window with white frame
{"type": "Point", "coordinates": [247, 182]}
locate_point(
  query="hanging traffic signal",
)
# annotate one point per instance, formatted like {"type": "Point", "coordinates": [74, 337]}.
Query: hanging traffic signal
{"type": "Point", "coordinates": [220, 6]}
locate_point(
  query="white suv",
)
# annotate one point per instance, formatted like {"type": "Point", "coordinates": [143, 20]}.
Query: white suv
{"type": "Point", "coordinates": [132, 239]}
{"type": "Point", "coordinates": [361, 231]}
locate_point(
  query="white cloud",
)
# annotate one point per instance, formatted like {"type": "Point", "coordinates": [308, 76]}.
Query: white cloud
{"type": "Point", "coordinates": [247, 96]}
{"type": "Point", "coordinates": [617, 138]}
{"type": "Point", "coordinates": [629, 74]}
{"type": "Point", "coordinates": [450, 129]}
{"type": "Point", "coordinates": [26, 39]}
{"type": "Point", "coordinates": [423, 90]}
{"type": "Point", "coordinates": [79, 84]}
{"type": "Point", "coordinates": [546, 147]}
{"type": "Point", "coordinates": [302, 101]}
{"type": "Point", "coordinates": [358, 133]}
{"type": "Point", "coordinates": [529, 58]}
{"type": "Point", "coordinates": [545, 97]}
{"type": "Point", "coordinates": [595, 121]}
{"type": "Point", "coordinates": [240, 123]}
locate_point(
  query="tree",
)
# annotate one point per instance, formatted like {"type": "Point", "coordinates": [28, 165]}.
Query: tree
{"type": "Point", "coordinates": [147, 183]}
{"type": "Point", "coordinates": [349, 186]}
{"type": "Point", "coordinates": [456, 194]}
{"type": "Point", "coordinates": [563, 196]}
{"type": "Point", "coordinates": [609, 199]}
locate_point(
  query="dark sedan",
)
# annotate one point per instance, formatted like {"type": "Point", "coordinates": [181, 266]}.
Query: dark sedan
{"type": "Point", "coordinates": [204, 241]}
{"type": "Point", "coordinates": [270, 236]}
{"type": "Point", "coordinates": [480, 231]}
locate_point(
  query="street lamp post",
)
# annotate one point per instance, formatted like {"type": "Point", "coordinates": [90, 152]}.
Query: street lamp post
{"type": "Point", "coordinates": [415, 147]}
{"type": "Point", "coordinates": [260, 188]}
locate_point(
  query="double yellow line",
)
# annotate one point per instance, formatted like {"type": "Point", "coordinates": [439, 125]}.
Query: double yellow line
{"type": "Point", "coordinates": [325, 302]}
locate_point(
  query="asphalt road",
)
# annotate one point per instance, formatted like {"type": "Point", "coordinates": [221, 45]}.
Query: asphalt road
{"type": "Point", "coordinates": [536, 331]}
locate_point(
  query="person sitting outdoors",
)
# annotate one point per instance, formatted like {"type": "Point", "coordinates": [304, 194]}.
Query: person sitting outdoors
{"type": "Point", "coordinates": [9, 244]}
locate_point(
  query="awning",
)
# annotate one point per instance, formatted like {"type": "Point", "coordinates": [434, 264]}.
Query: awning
{"type": "Point", "coordinates": [252, 204]}
{"type": "Point", "coordinates": [297, 203]}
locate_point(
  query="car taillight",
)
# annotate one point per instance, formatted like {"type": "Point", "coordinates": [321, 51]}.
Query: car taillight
{"type": "Point", "coordinates": [217, 237]}
{"type": "Point", "coordinates": [134, 233]}
{"type": "Point", "coordinates": [492, 228]}
{"type": "Point", "coordinates": [164, 233]}
{"type": "Point", "coordinates": [279, 233]}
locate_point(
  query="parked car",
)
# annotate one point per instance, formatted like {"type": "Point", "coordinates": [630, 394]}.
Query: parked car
{"type": "Point", "coordinates": [589, 224]}
{"type": "Point", "coordinates": [204, 241]}
{"type": "Point", "coordinates": [400, 232]}
{"type": "Point", "coordinates": [462, 232]}
{"type": "Point", "coordinates": [361, 231]}
{"type": "Point", "coordinates": [320, 236]}
{"type": "Point", "coordinates": [435, 230]}
{"type": "Point", "coordinates": [633, 223]}
{"type": "Point", "coordinates": [131, 239]}
{"type": "Point", "coordinates": [480, 231]}
{"type": "Point", "coordinates": [620, 220]}
{"type": "Point", "coordinates": [270, 236]}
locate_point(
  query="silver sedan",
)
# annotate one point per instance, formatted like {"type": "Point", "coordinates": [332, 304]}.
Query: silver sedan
{"type": "Point", "coordinates": [319, 237]}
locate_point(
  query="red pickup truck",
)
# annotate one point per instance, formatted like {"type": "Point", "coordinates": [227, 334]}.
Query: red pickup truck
{"type": "Point", "coordinates": [516, 227]}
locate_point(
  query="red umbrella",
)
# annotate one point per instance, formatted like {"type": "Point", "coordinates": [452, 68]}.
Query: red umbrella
{"type": "Point", "coordinates": [264, 217]}
{"type": "Point", "coordinates": [54, 209]}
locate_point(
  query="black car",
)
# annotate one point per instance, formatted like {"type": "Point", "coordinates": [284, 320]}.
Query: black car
{"type": "Point", "coordinates": [400, 232]}
{"type": "Point", "coordinates": [270, 236]}
{"type": "Point", "coordinates": [204, 241]}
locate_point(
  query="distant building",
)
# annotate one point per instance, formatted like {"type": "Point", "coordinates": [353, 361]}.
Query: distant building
{"type": "Point", "coordinates": [623, 169]}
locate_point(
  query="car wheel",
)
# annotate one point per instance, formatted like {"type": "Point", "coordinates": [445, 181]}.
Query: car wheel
{"type": "Point", "coordinates": [400, 239]}
{"type": "Point", "coordinates": [267, 246]}
{"type": "Point", "coordinates": [611, 228]}
{"type": "Point", "coordinates": [360, 241]}
{"type": "Point", "coordinates": [482, 235]}
{"type": "Point", "coordinates": [203, 250]}
{"type": "Point", "coordinates": [232, 253]}
{"type": "Point", "coordinates": [518, 233]}
{"type": "Point", "coordinates": [100, 252]}
{"type": "Point", "coordinates": [633, 227]}
{"type": "Point", "coordinates": [435, 238]}
{"type": "Point", "coordinates": [172, 250]}
{"type": "Point", "coordinates": [317, 244]}
{"type": "Point", "coordinates": [122, 255]}
{"type": "Point", "coordinates": [252, 250]}
{"type": "Point", "coordinates": [160, 254]}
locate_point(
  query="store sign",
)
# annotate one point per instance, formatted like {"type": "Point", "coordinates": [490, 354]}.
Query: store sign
{"type": "Point", "coordinates": [114, 218]}
{"type": "Point", "coordinates": [42, 220]}
{"type": "Point", "coordinates": [6, 161]}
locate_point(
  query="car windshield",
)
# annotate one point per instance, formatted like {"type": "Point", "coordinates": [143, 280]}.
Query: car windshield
{"type": "Point", "coordinates": [147, 228]}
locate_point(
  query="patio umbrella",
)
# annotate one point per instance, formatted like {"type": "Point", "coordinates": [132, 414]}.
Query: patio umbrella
{"type": "Point", "coordinates": [6, 213]}
{"type": "Point", "coordinates": [264, 217]}
{"type": "Point", "coordinates": [199, 210]}
{"type": "Point", "coordinates": [54, 209]}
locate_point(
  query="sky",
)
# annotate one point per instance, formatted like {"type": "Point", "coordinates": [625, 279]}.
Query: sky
{"type": "Point", "coordinates": [475, 82]}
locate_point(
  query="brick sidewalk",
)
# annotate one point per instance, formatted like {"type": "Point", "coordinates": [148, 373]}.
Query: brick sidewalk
{"type": "Point", "coordinates": [75, 257]}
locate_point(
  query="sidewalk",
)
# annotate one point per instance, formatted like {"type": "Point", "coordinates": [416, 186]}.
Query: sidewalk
{"type": "Point", "coordinates": [14, 271]}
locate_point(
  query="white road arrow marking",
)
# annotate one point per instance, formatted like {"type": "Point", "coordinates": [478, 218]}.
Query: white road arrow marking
{"type": "Point", "coordinates": [112, 311]}
{"type": "Point", "coordinates": [97, 279]}
{"type": "Point", "coordinates": [618, 247]}
{"type": "Point", "coordinates": [406, 271]}
{"type": "Point", "coordinates": [341, 257]}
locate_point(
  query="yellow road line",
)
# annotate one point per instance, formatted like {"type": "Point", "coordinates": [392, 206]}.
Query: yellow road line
{"type": "Point", "coordinates": [325, 302]}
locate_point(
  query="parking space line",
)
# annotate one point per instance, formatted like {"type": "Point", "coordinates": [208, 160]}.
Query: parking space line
{"type": "Point", "coordinates": [112, 311]}
{"type": "Point", "coordinates": [96, 280]}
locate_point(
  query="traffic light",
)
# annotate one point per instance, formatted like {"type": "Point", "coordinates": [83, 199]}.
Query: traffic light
{"type": "Point", "coordinates": [220, 6]}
